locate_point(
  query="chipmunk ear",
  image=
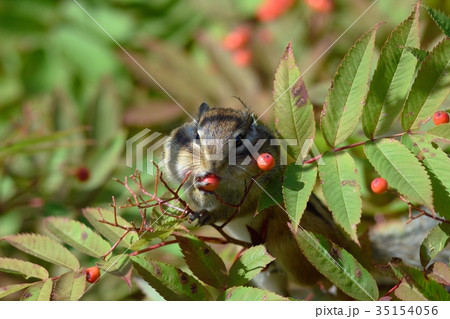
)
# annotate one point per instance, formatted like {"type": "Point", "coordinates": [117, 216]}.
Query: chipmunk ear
{"type": "Point", "coordinates": [202, 109]}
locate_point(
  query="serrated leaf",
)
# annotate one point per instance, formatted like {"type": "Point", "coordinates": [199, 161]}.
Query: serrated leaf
{"type": "Point", "coordinates": [434, 243]}
{"type": "Point", "coordinates": [40, 291]}
{"type": "Point", "coordinates": [44, 248]}
{"type": "Point", "coordinates": [203, 261]}
{"type": "Point", "coordinates": [430, 88]}
{"type": "Point", "coordinates": [418, 53]}
{"type": "Point", "coordinates": [434, 159]}
{"type": "Point", "coordinates": [392, 78]}
{"type": "Point", "coordinates": [249, 294]}
{"type": "Point", "coordinates": [119, 265]}
{"type": "Point", "coordinates": [408, 292]}
{"type": "Point", "coordinates": [401, 169]}
{"type": "Point", "coordinates": [77, 235]}
{"type": "Point", "coordinates": [298, 183]}
{"type": "Point", "coordinates": [170, 282]}
{"type": "Point", "coordinates": [70, 286]}
{"type": "Point", "coordinates": [110, 232]}
{"type": "Point", "coordinates": [24, 268]}
{"type": "Point", "coordinates": [271, 194]}
{"type": "Point", "coordinates": [338, 266]}
{"type": "Point", "coordinates": [427, 287]}
{"type": "Point", "coordinates": [440, 133]}
{"type": "Point", "coordinates": [7, 290]}
{"type": "Point", "coordinates": [440, 273]}
{"type": "Point", "coordinates": [294, 116]}
{"type": "Point", "coordinates": [248, 265]}
{"type": "Point", "coordinates": [441, 19]}
{"type": "Point", "coordinates": [342, 190]}
{"type": "Point", "coordinates": [441, 197]}
{"type": "Point", "coordinates": [344, 102]}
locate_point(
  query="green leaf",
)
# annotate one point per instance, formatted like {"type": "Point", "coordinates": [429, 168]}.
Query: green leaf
{"type": "Point", "coordinates": [434, 243]}
{"type": "Point", "coordinates": [70, 286]}
{"type": "Point", "coordinates": [40, 291]}
{"type": "Point", "coordinates": [170, 282]}
{"type": "Point", "coordinates": [430, 88]}
{"type": "Point", "coordinates": [299, 181]}
{"type": "Point", "coordinates": [271, 194]}
{"type": "Point", "coordinates": [249, 294]}
{"type": "Point", "coordinates": [7, 290]}
{"type": "Point", "coordinates": [116, 265]}
{"type": "Point", "coordinates": [401, 169]}
{"type": "Point", "coordinates": [408, 292]}
{"type": "Point", "coordinates": [44, 248]}
{"type": "Point", "coordinates": [24, 268]}
{"type": "Point", "coordinates": [248, 265]}
{"type": "Point", "coordinates": [433, 158]}
{"type": "Point", "coordinates": [441, 19]}
{"type": "Point", "coordinates": [344, 103]}
{"type": "Point", "coordinates": [338, 266]}
{"type": "Point", "coordinates": [441, 197]}
{"type": "Point", "coordinates": [203, 261]}
{"type": "Point", "coordinates": [418, 53]}
{"type": "Point", "coordinates": [110, 232]}
{"type": "Point", "coordinates": [392, 78]}
{"type": "Point", "coordinates": [440, 133]}
{"type": "Point", "coordinates": [77, 235]}
{"type": "Point", "coordinates": [342, 190]}
{"type": "Point", "coordinates": [294, 116]}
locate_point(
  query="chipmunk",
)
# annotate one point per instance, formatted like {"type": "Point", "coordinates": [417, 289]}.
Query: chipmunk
{"type": "Point", "coordinates": [228, 157]}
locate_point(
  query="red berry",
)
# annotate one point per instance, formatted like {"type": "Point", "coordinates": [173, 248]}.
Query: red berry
{"type": "Point", "coordinates": [320, 5]}
{"type": "Point", "coordinates": [237, 38]}
{"type": "Point", "coordinates": [379, 185]}
{"type": "Point", "coordinates": [82, 174]}
{"type": "Point", "coordinates": [92, 274]}
{"type": "Point", "coordinates": [272, 9]}
{"type": "Point", "coordinates": [242, 57]}
{"type": "Point", "coordinates": [440, 117]}
{"type": "Point", "coordinates": [266, 162]}
{"type": "Point", "coordinates": [212, 182]}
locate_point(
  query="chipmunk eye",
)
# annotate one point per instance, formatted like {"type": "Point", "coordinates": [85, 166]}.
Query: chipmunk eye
{"type": "Point", "coordinates": [239, 140]}
{"type": "Point", "coordinates": [197, 136]}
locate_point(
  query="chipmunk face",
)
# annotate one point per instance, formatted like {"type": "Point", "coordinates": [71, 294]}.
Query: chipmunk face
{"type": "Point", "coordinates": [224, 142]}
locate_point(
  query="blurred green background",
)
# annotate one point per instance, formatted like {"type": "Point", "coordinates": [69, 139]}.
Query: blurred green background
{"type": "Point", "coordinates": [70, 96]}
